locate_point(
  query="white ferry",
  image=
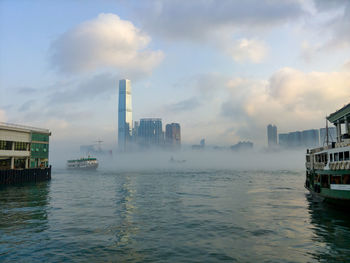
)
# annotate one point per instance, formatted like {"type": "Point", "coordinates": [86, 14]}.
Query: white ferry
{"type": "Point", "coordinates": [83, 163]}
{"type": "Point", "coordinates": [328, 167]}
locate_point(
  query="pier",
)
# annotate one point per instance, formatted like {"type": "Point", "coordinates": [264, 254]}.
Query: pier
{"type": "Point", "coordinates": [8, 177]}
{"type": "Point", "coordinates": [24, 154]}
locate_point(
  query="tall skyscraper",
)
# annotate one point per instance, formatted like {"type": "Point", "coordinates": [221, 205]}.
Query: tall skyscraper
{"type": "Point", "coordinates": [271, 135]}
{"type": "Point", "coordinates": [124, 115]}
{"type": "Point", "coordinates": [173, 135]}
{"type": "Point", "coordinates": [150, 132]}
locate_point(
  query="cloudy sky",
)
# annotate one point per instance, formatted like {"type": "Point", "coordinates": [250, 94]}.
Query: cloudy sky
{"type": "Point", "coordinates": [223, 69]}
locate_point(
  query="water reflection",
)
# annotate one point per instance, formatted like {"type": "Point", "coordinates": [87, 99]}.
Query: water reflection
{"type": "Point", "coordinates": [331, 229]}
{"type": "Point", "coordinates": [126, 227]}
{"type": "Point", "coordinates": [23, 214]}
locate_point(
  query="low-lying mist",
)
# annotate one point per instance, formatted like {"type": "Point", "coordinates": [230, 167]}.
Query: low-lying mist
{"type": "Point", "coordinates": [188, 159]}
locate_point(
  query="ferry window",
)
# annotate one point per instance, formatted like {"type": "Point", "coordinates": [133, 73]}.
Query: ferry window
{"type": "Point", "coordinates": [341, 156]}
{"type": "Point", "coordinates": [335, 179]}
{"type": "Point", "coordinates": [324, 181]}
{"type": "Point", "coordinates": [336, 157]}
{"type": "Point", "coordinates": [346, 179]}
{"type": "Point", "coordinates": [325, 159]}
{"type": "Point", "coordinates": [331, 157]}
{"type": "Point", "coordinates": [346, 156]}
{"type": "Point", "coordinates": [307, 158]}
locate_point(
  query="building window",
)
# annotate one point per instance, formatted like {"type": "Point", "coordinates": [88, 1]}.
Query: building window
{"type": "Point", "coordinates": [5, 145]}
{"type": "Point", "coordinates": [21, 146]}
{"type": "Point", "coordinates": [5, 164]}
{"type": "Point", "coordinates": [20, 163]}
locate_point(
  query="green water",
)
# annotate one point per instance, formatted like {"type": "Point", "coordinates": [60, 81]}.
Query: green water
{"type": "Point", "coordinates": [170, 216]}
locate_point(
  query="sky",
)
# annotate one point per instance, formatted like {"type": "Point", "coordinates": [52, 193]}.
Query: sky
{"type": "Point", "coordinates": [223, 69]}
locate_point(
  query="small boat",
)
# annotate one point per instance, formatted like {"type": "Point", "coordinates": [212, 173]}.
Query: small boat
{"type": "Point", "coordinates": [88, 163]}
{"type": "Point", "coordinates": [172, 160]}
{"type": "Point", "coordinates": [328, 167]}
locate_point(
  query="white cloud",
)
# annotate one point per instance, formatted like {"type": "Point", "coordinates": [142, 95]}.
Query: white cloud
{"type": "Point", "coordinates": [327, 28]}
{"type": "Point", "coordinates": [57, 124]}
{"type": "Point", "coordinates": [250, 50]}
{"type": "Point", "coordinates": [291, 98]}
{"type": "Point", "coordinates": [104, 42]}
{"type": "Point", "coordinates": [199, 19]}
{"type": "Point", "coordinates": [346, 66]}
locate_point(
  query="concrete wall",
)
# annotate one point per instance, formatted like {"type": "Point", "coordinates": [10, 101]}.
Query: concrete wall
{"type": "Point", "coordinates": [14, 136]}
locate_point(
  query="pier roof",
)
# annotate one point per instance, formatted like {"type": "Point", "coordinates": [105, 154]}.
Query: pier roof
{"type": "Point", "coordinates": [340, 114]}
{"type": "Point", "coordinates": [11, 126]}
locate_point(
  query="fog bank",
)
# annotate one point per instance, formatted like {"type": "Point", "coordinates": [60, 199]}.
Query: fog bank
{"type": "Point", "coordinates": [188, 159]}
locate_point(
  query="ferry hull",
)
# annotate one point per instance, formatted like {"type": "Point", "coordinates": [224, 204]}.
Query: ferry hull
{"type": "Point", "coordinates": [90, 167]}
{"type": "Point", "coordinates": [336, 197]}
{"type": "Point", "coordinates": [83, 164]}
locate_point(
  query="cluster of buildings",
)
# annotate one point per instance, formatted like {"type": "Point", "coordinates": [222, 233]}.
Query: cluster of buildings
{"type": "Point", "coordinates": [300, 139]}
{"type": "Point", "coordinates": [144, 134]}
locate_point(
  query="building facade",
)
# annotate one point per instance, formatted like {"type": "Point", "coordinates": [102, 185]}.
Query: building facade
{"type": "Point", "coordinates": [24, 151]}
{"type": "Point", "coordinates": [283, 140]}
{"type": "Point", "coordinates": [300, 139]}
{"type": "Point", "coordinates": [173, 135]}
{"type": "Point", "coordinates": [125, 126]}
{"type": "Point", "coordinates": [271, 136]}
{"type": "Point", "coordinates": [242, 146]}
{"type": "Point", "coordinates": [310, 138]}
{"type": "Point", "coordinates": [150, 133]}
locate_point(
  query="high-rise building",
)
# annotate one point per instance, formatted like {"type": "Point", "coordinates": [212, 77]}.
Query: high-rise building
{"type": "Point", "coordinates": [294, 139]}
{"type": "Point", "coordinates": [310, 138]}
{"type": "Point", "coordinates": [283, 140]}
{"type": "Point", "coordinates": [150, 132]}
{"type": "Point", "coordinates": [124, 115]}
{"type": "Point", "coordinates": [173, 135]}
{"type": "Point", "coordinates": [332, 135]}
{"type": "Point", "coordinates": [242, 146]}
{"type": "Point", "coordinates": [271, 135]}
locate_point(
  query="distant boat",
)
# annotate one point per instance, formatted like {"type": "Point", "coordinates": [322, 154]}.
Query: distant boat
{"type": "Point", "coordinates": [88, 163]}
{"type": "Point", "coordinates": [172, 160]}
{"type": "Point", "coordinates": [328, 167]}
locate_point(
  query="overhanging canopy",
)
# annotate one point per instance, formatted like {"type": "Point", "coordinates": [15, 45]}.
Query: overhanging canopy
{"type": "Point", "coordinates": [340, 114]}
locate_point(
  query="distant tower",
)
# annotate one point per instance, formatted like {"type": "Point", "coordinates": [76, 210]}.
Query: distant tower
{"type": "Point", "coordinates": [124, 114]}
{"type": "Point", "coordinates": [202, 143]}
{"type": "Point", "coordinates": [173, 135]}
{"type": "Point", "coordinates": [271, 136]}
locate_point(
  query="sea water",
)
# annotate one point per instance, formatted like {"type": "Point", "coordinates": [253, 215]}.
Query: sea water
{"type": "Point", "coordinates": [170, 215]}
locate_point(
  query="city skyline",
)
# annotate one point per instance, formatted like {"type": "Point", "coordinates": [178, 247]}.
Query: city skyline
{"type": "Point", "coordinates": [223, 76]}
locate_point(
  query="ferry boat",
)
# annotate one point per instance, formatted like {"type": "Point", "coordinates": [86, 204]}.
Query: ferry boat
{"type": "Point", "coordinates": [83, 163]}
{"type": "Point", "coordinates": [328, 167]}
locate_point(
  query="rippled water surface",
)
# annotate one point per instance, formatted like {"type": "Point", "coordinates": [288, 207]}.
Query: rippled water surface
{"type": "Point", "coordinates": [170, 216]}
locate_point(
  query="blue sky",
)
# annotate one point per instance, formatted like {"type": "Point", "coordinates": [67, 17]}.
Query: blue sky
{"type": "Point", "coordinates": [222, 69]}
